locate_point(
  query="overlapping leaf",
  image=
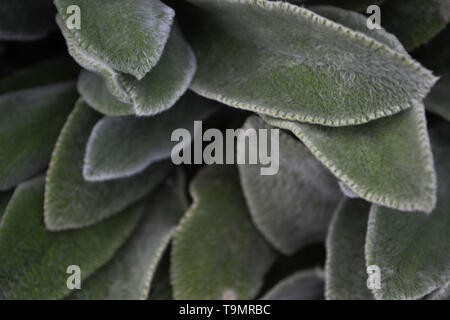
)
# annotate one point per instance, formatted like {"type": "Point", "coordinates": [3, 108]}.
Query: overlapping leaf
{"type": "Point", "coordinates": [413, 249]}
{"type": "Point", "coordinates": [415, 22]}
{"type": "Point", "coordinates": [151, 81]}
{"type": "Point", "coordinates": [323, 72]}
{"type": "Point", "coordinates": [345, 267]}
{"type": "Point", "coordinates": [34, 260]}
{"type": "Point", "coordinates": [217, 252]}
{"type": "Point", "coordinates": [387, 161]}
{"type": "Point", "coordinates": [128, 36]}
{"type": "Point", "coordinates": [130, 273]}
{"type": "Point", "coordinates": [123, 146]}
{"type": "Point", "coordinates": [94, 91]}
{"type": "Point", "coordinates": [25, 20]}
{"type": "Point", "coordinates": [303, 285]}
{"type": "Point", "coordinates": [70, 201]}
{"type": "Point", "coordinates": [29, 126]}
{"type": "Point", "coordinates": [293, 207]}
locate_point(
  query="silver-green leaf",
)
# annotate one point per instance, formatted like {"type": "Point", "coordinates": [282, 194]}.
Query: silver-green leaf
{"type": "Point", "coordinates": [303, 285]}
{"type": "Point", "coordinates": [130, 273]}
{"type": "Point", "coordinates": [346, 277]}
{"type": "Point", "coordinates": [324, 72]}
{"type": "Point", "coordinates": [123, 146]}
{"type": "Point", "coordinates": [34, 260]}
{"type": "Point", "coordinates": [293, 207]}
{"type": "Point", "coordinates": [70, 201]}
{"type": "Point", "coordinates": [413, 249]}
{"type": "Point", "coordinates": [217, 252]}
{"type": "Point", "coordinates": [29, 127]}
{"type": "Point", "coordinates": [387, 161]}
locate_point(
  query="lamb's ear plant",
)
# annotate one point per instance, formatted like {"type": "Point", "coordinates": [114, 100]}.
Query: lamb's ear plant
{"type": "Point", "coordinates": [87, 116]}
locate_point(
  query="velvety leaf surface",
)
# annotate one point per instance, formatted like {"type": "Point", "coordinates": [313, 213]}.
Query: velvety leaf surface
{"type": "Point", "coordinates": [93, 90]}
{"type": "Point", "coordinates": [415, 22]}
{"type": "Point", "coordinates": [243, 64]}
{"type": "Point", "coordinates": [40, 75]}
{"type": "Point", "coordinates": [217, 252]}
{"type": "Point", "coordinates": [413, 249]}
{"type": "Point", "coordinates": [303, 285]}
{"type": "Point", "coordinates": [123, 146]}
{"type": "Point", "coordinates": [129, 274]}
{"type": "Point", "coordinates": [29, 126]}
{"type": "Point", "coordinates": [34, 260]}
{"type": "Point", "coordinates": [387, 161]}
{"type": "Point", "coordinates": [128, 36]}
{"type": "Point", "coordinates": [70, 201]}
{"type": "Point", "coordinates": [154, 93]}
{"type": "Point", "coordinates": [346, 277]}
{"type": "Point", "coordinates": [25, 20]}
{"type": "Point", "coordinates": [293, 207]}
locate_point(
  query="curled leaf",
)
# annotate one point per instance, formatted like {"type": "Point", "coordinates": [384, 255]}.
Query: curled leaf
{"type": "Point", "coordinates": [151, 81]}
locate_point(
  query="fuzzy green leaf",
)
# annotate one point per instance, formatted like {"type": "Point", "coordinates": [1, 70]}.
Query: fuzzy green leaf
{"type": "Point", "coordinates": [270, 52]}
{"type": "Point", "coordinates": [387, 161]}
{"type": "Point", "coordinates": [413, 249]}
{"type": "Point", "coordinates": [303, 285]}
{"type": "Point", "coordinates": [149, 93]}
{"type": "Point", "coordinates": [293, 207]}
{"type": "Point", "coordinates": [346, 266]}
{"type": "Point", "coordinates": [29, 126]}
{"type": "Point", "coordinates": [40, 75]}
{"type": "Point", "coordinates": [93, 90]}
{"type": "Point", "coordinates": [217, 252]}
{"type": "Point", "coordinates": [123, 146]}
{"type": "Point", "coordinates": [70, 201]}
{"type": "Point", "coordinates": [25, 20]}
{"type": "Point", "coordinates": [127, 36]}
{"type": "Point", "coordinates": [129, 274]}
{"type": "Point", "coordinates": [34, 260]}
{"type": "Point", "coordinates": [415, 22]}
